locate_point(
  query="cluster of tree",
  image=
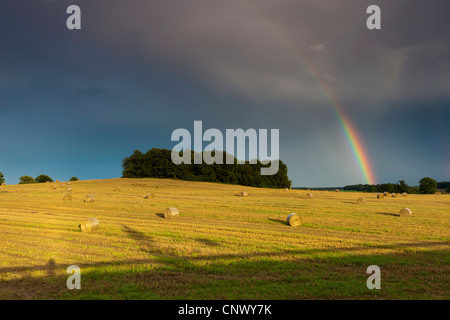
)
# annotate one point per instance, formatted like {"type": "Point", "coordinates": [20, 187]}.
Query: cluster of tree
{"type": "Point", "coordinates": [427, 185]}
{"type": "Point", "coordinates": [157, 163]}
{"type": "Point", "coordinates": [43, 178]}
{"type": "Point", "coordinates": [39, 179]}
{"type": "Point", "coordinates": [443, 185]}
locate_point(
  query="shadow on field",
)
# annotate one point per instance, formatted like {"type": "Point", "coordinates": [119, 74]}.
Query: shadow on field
{"type": "Point", "coordinates": [51, 267]}
{"type": "Point", "coordinates": [408, 271]}
{"type": "Point", "coordinates": [208, 242]}
{"type": "Point", "coordinates": [283, 222]}
{"type": "Point", "coordinates": [388, 214]}
{"type": "Point", "coordinates": [146, 244]}
{"type": "Point", "coordinates": [161, 215]}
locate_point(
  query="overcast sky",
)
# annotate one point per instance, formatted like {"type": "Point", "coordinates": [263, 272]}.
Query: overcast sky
{"type": "Point", "coordinates": [76, 102]}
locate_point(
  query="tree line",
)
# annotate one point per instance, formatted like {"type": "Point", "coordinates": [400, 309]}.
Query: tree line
{"type": "Point", "coordinates": [43, 178]}
{"type": "Point", "coordinates": [426, 185]}
{"type": "Point", "coordinates": [157, 163]}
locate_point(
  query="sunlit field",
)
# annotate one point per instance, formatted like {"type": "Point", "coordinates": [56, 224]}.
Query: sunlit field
{"type": "Point", "coordinates": [221, 246]}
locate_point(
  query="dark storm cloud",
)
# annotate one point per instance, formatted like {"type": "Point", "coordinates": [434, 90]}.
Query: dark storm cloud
{"type": "Point", "coordinates": [139, 69]}
{"type": "Point", "coordinates": [258, 49]}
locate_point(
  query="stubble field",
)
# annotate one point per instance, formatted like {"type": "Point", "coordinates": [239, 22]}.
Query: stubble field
{"type": "Point", "coordinates": [221, 246]}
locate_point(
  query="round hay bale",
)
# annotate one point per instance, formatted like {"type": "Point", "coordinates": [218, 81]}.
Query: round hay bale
{"type": "Point", "coordinates": [57, 181]}
{"type": "Point", "coordinates": [405, 212]}
{"type": "Point", "coordinates": [285, 189]}
{"type": "Point", "coordinates": [89, 198]}
{"type": "Point", "coordinates": [170, 213]}
{"type": "Point", "coordinates": [309, 195]}
{"type": "Point", "coordinates": [393, 195]}
{"type": "Point", "coordinates": [437, 193]}
{"type": "Point", "coordinates": [337, 190]}
{"type": "Point", "coordinates": [62, 185]}
{"type": "Point", "coordinates": [380, 196]}
{"type": "Point", "coordinates": [68, 183]}
{"type": "Point", "coordinates": [149, 196]}
{"type": "Point", "coordinates": [243, 194]}
{"type": "Point", "coordinates": [3, 184]}
{"type": "Point", "coordinates": [404, 194]}
{"type": "Point", "coordinates": [386, 194]}
{"type": "Point", "coordinates": [118, 189]}
{"type": "Point", "coordinates": [89, 225]}
{"type": "Point", "coordinates": [53, 187]}
{"type": "Point", "coordinates": [47, 181]}
{"type": "Point", "coordinates": [67, 197]}
{"type": "Point", "coordinates": [69, 189]}
{"type": "Point", "coordinates": [294, 220]}
{"type": "Point", "coordinates": [361, 201]}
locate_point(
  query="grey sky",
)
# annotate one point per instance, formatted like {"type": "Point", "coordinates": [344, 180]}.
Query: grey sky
{"type": "Point", "coordinates": [140, 69]}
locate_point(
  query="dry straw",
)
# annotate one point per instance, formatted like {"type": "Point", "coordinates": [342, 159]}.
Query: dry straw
{"type": "Point", "coordinates": [380, 196]}
{"type": "Point", "coordinates": [170, 213]}
{"type": "Point", "coordinates": [286, 189]}
{"type": "Point", "coordinates": [69, 189]}
{"type": "Point", "coordinates": [67, 197]}
{"type": "Point", "coordinates": [337, 190]}
{"type": "Point", "coordinates": [243, 194]}
{"type": "Point", "coordinates": [437, 193]}
{"type": "Point", "coordinates": [309, 195]}
{"type": "Point", "coordinates": [361, 201]}
{"type": "Point", "coordinates": [404, 194]}
{"type": "Point", "coordinates": [62, 185]}
{"type": "Point", "coordinates": [294, 220]}
{"type": "Point", "coordinates": [149, 196]}
{"type": "Point", "coordinates": [394, 195]}
{"type": "Point", "coordinates": [118, 188]}
{"type": "Point", "coordinates": [405, 212]}
{"type": "Point", "coordinates": [54, 187]}
{"type": "Point", "coordinates": [89, 198]}
{"type": "Point", "coordinates": [89, 225]}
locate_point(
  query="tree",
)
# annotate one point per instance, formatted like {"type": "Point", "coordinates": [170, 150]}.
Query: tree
{"type": "Point", "coordinates": [74, 179]}
{"type": "Point", "coordinates": [157, 163]}
{"type": "Point", "coordinates": [43, 178]}
{"type": "Point", "coordinates": [2, 178]}
{"type": "Point", "coordinates": [26, 180]}
{"type": "Point", "coordinates": [403, 187]}
{"type": "Point", "coordinates": [427, 185]}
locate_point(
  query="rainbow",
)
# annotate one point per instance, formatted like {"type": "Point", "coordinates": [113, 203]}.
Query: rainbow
{"type": "Point", "coordinates": [353, 140]}
{"type": "Point", "coordinates": [351, 134]}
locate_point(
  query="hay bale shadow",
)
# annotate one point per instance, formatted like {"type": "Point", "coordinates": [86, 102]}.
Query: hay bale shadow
{"type": "Point", "coordinates": [388, 214]}
{"type": "Point", "coordinates": [161, 215]}
{"type": "Point", "coordinates": [283, 222]}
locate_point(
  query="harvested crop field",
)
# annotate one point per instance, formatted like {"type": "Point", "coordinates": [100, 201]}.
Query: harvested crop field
{"type": "Point", "coordinates": [220, 245]}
